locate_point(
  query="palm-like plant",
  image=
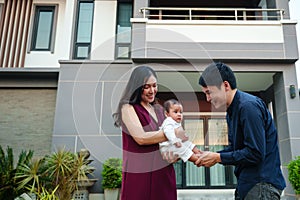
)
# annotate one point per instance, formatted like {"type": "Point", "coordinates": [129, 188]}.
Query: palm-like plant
{"type": "Point", "coordinates": [53, 177]}
{"type": "Point", "coordinates": [66, 169]}
{"type": "Point", "coordinates": [46, 195]}
{"type": "Point", "coordinates": [82, 168]}
{"type": "Point", "coordinates": [60, 169]}
{"type": "Point", "coordinates": [32, 176]}
{"type": "Point", "coordinates": [8, 185]}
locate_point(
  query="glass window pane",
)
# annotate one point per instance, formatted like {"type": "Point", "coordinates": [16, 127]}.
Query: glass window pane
{"type": "Point", "coordinates": [85, 20]}
{"type": "Point", "coordinates": [124, 24]}
{"type": "Point", "coordinates": [82, 52]}
{"type": "Point", "coordinates": [194, 129]}
{"type": "Point", "coordinates": [217, 172]}
{"type": "Point", "coordinates": [218, 138]}
{"type": "Point", "coordinates": [43, 35]}
{"type": "Point", "coordinates": [124, 34]}
{"type": "Point", "coordinates": [43, 28]}
{"type": "Point", "coordinates": [217, 129]}
{"type": "Point", "coordinates": [195, 176]}
{"type": "Point", "coordinates": [123, 52]}
{"type": "Point", "coordinates": [124, 14]}
{"type": "Point", "coordinates": [178, 172]}
{"type": "Point", "coordinates": [217, 175]}
{"type": "Point", "coordinates": [1, 7]}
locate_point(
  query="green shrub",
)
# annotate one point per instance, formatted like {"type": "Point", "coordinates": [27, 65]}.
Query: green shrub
{"type": "Point", "coordinates": [112, 173]}
{"type": "Point", "coordinates": [294, 174]}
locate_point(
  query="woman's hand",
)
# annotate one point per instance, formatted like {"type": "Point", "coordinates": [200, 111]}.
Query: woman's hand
{"type": "Point", "coordinates": [180, 133]}
{"type": "Point", "coordinates": [169, 156]}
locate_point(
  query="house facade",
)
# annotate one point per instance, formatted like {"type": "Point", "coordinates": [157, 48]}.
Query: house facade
{"type": "Point", "coordinates": [65, 63]}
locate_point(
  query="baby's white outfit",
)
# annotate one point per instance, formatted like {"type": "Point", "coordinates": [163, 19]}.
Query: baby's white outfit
{"type": "Point", "coordinates": [185, 151]}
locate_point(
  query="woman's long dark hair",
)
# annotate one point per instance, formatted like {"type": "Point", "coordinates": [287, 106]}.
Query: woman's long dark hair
{"type": "Point", "coordinates": [133, 91]}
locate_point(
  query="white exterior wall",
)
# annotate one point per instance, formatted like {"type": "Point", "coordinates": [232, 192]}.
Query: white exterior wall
{"type": "Point", "coordinates": [104, 29]}
{"type": "Point", "coordinates": [63, 36]}
{"type": "Point", "coordinates": [233, 32]}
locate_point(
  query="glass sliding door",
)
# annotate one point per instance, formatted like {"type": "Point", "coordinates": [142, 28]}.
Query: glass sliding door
{"type": "Point", "coordinates": [209, 134]}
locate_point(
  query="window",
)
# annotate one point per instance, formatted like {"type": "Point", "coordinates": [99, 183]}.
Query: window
{"type": "Point", "coordinates": [83, 31]}
{"type": "Point", "coordinates": [123, 38]}
{"type": "Point", "coordinates": [43, 34]}
{"type": "Point", "coordinates": [218, 176]}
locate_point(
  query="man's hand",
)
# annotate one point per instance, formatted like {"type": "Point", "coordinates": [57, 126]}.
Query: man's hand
{"type": "Point", "coordinates": [180, 133]}
{"type": "Point", "coordinates": [169, 156]}
{"type": "Point", "coordinates": [208, 159]}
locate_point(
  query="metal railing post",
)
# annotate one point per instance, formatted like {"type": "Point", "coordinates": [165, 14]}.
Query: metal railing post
{"type": "Point", "coordinates": [236, 15]}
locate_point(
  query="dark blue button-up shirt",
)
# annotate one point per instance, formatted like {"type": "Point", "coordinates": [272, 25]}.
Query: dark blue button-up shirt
{"type": "Point", "coordinates": [253, 144]}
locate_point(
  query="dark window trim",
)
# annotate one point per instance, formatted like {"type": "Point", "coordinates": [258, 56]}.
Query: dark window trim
{"type": "Point", "coordinates": [122, 45]}
{"type": "Point", "coordinates": [117, 45]}
{"type": "Point", "coordinates": [46, 7]}
{"type": "Point", "coordinates": [79, 44]}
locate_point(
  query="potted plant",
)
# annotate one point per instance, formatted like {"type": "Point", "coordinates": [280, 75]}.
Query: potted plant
{"type": "Point", "coordinates": [294, 175]}
{"type": "Point", "coordinates": [112, 178]}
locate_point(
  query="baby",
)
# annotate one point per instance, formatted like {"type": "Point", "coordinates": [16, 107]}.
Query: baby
{"type": "Point", "coordinates": [185, 150]}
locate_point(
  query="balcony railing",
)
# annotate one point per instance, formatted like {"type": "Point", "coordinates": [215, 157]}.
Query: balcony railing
{"type": "Point", "coordinates": [236, 14]}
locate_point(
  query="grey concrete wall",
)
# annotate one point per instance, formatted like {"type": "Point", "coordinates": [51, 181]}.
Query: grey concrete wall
{"type": "Point", "coordinates": [288, 115]}
{"type": "Point", "coordinates": [87, 97]}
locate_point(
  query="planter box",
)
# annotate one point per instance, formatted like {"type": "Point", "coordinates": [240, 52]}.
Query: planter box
{"type": "Point", "coordinates": [112, 194]}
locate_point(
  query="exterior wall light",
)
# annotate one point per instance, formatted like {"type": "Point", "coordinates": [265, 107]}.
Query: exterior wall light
{"type": "Point", "coordinates": [292, 91]}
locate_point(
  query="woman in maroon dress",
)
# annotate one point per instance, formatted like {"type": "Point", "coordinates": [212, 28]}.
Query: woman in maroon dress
{"type": "Point", "coordinates": [146, 176]}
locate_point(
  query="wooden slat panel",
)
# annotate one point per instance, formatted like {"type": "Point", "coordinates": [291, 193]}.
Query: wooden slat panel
{"type": "Point", "coordinates": [7, 50]}
{"type": "Point", "coordinates": [14, 32]}
{"type": "Point", "coordinates": [7, 8]}
{"type": "Point", "coordinates": [20, 35]}
{"type": "Point", "coordinates": [25, 33]}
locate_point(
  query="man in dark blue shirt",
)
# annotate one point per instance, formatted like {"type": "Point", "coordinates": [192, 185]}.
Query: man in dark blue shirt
{"type": "Point", "coordinates": [253, 141]}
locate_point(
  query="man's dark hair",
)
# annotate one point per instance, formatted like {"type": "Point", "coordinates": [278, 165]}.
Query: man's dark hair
{"type": "Point", "coordinates": [215, 74]}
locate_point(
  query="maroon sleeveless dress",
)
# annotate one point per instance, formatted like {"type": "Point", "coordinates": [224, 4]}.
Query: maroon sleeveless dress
{"type": "Point", "coordinates": [146, 176]}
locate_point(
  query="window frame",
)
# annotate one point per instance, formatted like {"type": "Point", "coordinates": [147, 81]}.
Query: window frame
{"type": "Point", "coordinates": [38, 8]}
{"type": "Point", "coordinates": [122, 44]}
{"type": "Point", "coordinates": [82, 44]}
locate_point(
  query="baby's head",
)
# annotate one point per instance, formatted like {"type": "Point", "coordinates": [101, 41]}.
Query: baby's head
{"type": "Point", "coordinates": [173, 109]}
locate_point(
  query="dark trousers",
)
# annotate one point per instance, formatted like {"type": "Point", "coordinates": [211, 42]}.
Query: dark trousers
{"type": "Point", "coordinates": [261, 191]}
